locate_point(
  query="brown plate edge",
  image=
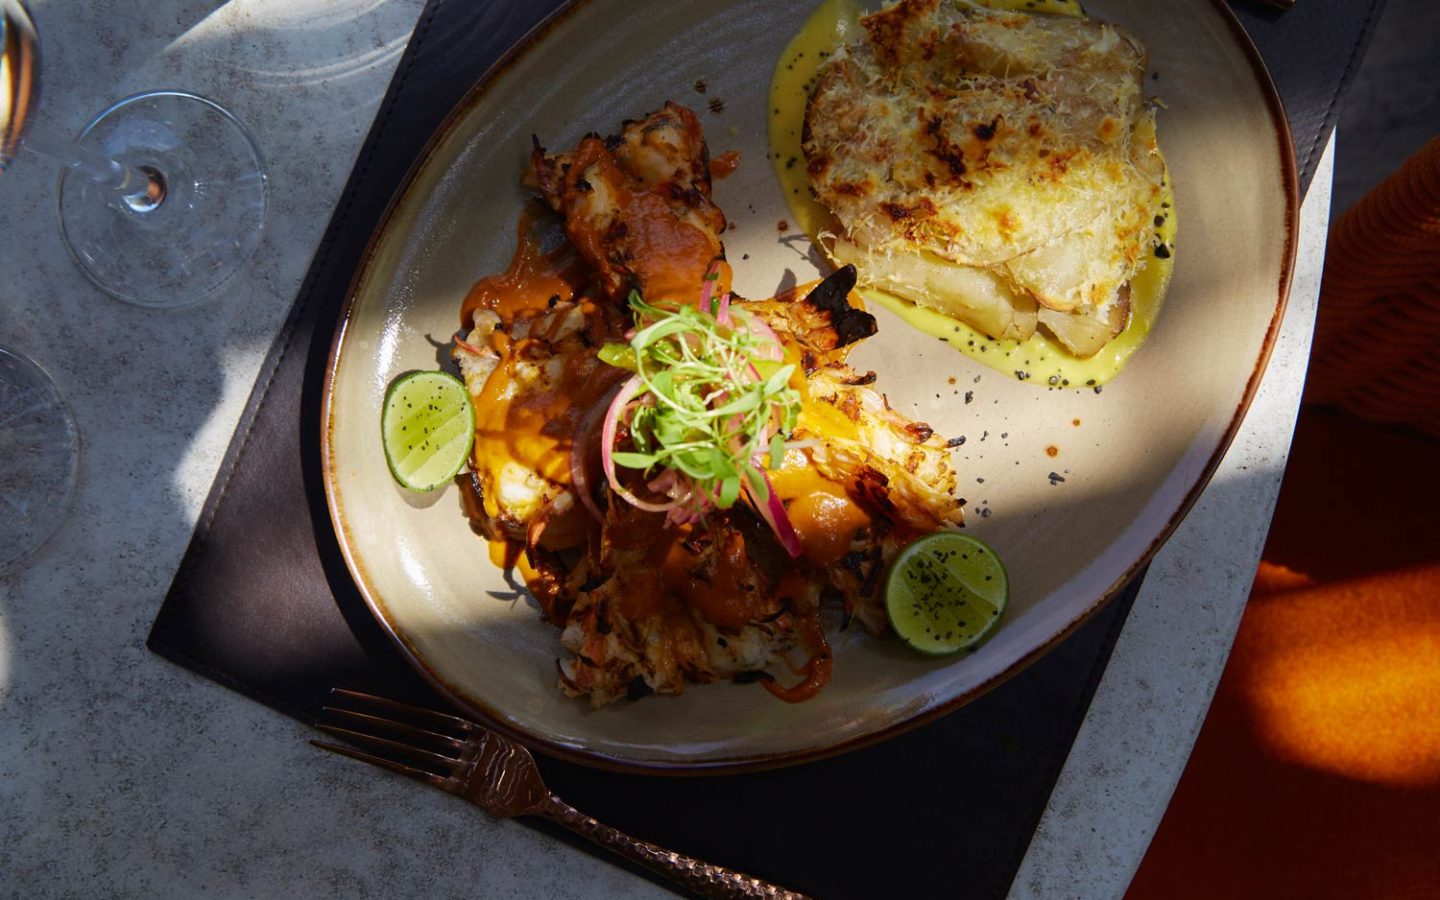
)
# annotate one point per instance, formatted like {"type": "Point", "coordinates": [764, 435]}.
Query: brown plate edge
{"type": "Point", "coordinates": [737, 765]}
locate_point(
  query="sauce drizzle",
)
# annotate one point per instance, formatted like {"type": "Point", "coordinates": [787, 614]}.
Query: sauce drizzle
{"type": "Point", "coordinates": [531, 280]}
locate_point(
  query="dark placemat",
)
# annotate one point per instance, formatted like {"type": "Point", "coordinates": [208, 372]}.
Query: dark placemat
{"type": "Point", "coordinates": [263, 602]}
{"type": "Point", "coordinates": [1313, 51]}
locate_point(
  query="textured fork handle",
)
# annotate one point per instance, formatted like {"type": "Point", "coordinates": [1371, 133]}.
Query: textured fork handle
{"type": "Point", "coordinates": [700, 877]}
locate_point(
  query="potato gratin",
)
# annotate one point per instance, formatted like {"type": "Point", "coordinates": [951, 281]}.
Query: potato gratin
{"type": "Point", "coordinates": [677, 525]}
{"type": "Point", "coordinates": [1000, 167]}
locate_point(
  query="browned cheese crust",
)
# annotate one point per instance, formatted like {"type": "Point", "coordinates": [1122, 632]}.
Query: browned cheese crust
{"type": "Point", "coordinates": [1000, 167]}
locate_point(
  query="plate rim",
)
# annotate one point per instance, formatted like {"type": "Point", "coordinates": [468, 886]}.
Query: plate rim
{"type": "Point", "coordinates": [775, 759]}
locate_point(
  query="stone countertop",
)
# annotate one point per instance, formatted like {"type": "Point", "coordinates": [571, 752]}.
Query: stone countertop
{"type": "Point", "coordinates": [123, 775]}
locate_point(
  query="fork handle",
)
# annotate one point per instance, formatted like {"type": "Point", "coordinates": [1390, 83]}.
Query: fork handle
{"type": "Point", "coordinates": [700, 877]}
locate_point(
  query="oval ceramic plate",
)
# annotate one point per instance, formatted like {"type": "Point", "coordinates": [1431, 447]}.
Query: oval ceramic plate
{"type": "Point", "coordinates": [1132, 458]}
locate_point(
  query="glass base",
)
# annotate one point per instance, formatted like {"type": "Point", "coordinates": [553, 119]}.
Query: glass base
{"type": "Point", "coordinates": [206, 228]}
{"type": "Point", "coordinates": [39, 458]}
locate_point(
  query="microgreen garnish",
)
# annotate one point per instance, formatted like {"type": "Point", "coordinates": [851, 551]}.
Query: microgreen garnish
{"type": "Point", "coordinates": [710, 404]}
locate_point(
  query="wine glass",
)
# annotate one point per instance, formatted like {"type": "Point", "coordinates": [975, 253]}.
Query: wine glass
{"type": "Point", "coordinates": [162, 197]}
{"type": "Point", "coordinates": [39, 457]}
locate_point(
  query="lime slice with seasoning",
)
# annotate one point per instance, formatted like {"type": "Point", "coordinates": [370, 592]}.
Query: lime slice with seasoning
{"type": "Point", "coordinates": [945, 592]}
{"type": "Point", "coordinates": [427, 427]}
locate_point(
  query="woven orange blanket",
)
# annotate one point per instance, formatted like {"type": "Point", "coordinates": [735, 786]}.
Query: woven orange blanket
{"type": "Point", "coordinates": [1317, 772]}
{"type": "Point", "coordinates": [1377, 335]}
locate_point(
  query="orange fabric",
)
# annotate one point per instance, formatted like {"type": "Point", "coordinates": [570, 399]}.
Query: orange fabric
{"type": "Point", "coordinates": [1377, 336]}
{"type": "Point", "coordinates": [1317, 772]}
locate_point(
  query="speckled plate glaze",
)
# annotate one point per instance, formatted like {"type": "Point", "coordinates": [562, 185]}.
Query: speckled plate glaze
{"type": "Point", "coordinates": [1132, 458]}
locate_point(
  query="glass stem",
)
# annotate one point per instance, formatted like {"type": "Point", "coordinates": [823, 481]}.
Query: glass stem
{"type": "Point", "coordinates": [137, 189]}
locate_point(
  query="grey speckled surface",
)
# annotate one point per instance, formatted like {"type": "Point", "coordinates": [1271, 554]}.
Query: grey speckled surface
{"type": "Point", "coordinates": [122, 775]}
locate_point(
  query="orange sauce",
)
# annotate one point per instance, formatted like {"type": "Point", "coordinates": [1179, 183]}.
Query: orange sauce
{"type": "Point", "coordinates": [671, 255]}
{"type": "Point", "coordinates": [665, 570]}
{"type": "Point", "coordinates": [723, 597]}
{"type": "Point", "coordinates": [817, 669]}
{"type": "Point", "coordinates": [545, 587]}
{"type": "Point", "coordinates": [531, 280]}
{"type": "Point", "coordinates": [824, 515]}
{"type": "Point", "coordinates": [819, 417]}
{"type": "Point", "coordinates": [535, 429]}
{"type": "Point", "coordinates": [505, 554]}
{"type": "Point", "coordinates": [725, 164]}
{"type": "Point", "coordinates": [635, 530]}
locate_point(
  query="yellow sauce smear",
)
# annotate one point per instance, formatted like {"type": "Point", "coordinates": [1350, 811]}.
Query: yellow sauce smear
{"type": "Point", "coordinates": [1038, 359]}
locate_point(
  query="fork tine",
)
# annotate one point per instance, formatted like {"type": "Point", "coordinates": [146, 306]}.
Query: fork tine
{"type": "Point", "coordinates": [420, 774]}
{"type": "Point", "coordinates": [335, 712]}
{"type": "Point", "coordinates": [374, 742]}
{"type": "Point", "coordinates": [429, 716]}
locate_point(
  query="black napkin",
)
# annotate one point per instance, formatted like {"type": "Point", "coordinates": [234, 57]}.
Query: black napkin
{"type": "Point", "coordinates": [263, 603]}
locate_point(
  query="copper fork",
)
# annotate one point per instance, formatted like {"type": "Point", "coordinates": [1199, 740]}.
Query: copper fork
{"type": "Point", "coordinates": [500, 776]}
